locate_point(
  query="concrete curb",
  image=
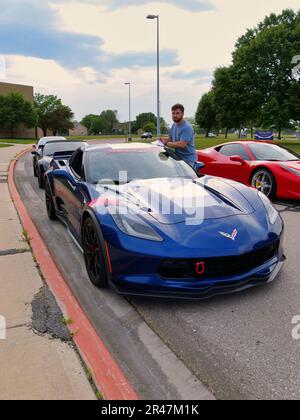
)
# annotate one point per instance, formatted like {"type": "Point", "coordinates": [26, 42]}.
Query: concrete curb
{"type": "Point", "coordinates": [107, 375]}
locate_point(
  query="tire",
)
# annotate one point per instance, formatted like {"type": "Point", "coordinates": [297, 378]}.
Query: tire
{"type": "Point", "coordinates": [34, 169]}
{"type": "Point", "coordinates": [49, 202]}
{"type": "Point", "coordinates": [41, 179]}
{"type": "Point", "coordinates": [263, 180]}
{"type": "Point", "coordinates": [94, 254]}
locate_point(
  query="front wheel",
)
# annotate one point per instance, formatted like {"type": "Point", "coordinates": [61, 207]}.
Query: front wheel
{"type": "Point", "coordinates": [264, 181]}
{"type": "Point", "coordinates": [94, 254]}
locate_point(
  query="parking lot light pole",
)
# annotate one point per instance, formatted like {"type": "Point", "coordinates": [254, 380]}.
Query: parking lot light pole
{"type": "Point", "coordinates": [158, 73]}
{"type": "Point", "coordinates": [129, 123]}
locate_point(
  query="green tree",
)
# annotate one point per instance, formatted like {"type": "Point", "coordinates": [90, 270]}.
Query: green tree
{"type": "Point", "coordinates": [52, 113]}
{"type": "Point", "coordinates": [98, 126]}
{"type": "Point", "coordinates": [87, 121]}
{"type": "Point", "coordinates": [206, 115]}
{"type": "Point", "coordinates": [94, 124]}
{"type": "Point", "coordinates": [263, 61]}
{"type": "Point", "coordinates": [45, 106]}
{"type": "Point", "coordinates": [2, 111]}
{"type": "Point", "coordinates": [109, 118]}
{"type": "Point", "coordinates": [15, 110]}
{"type": "Point", "coordinates": [143, 119]}
{"type": "Point", "coordinates": [62, 119]}
{"type": "Point", "coordinates": [149, 128]}
{"type": "Point", "coordinates": [234, 106]}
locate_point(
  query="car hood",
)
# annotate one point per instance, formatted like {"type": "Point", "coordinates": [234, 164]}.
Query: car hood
{"type": "Point", "coordinates": [176, 200]}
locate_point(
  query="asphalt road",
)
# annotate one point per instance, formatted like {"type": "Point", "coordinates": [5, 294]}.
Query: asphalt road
{"type": "Point", "coordinates": [240, 346]}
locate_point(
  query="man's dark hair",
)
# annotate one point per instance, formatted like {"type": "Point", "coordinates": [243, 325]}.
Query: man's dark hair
{"type": "Point", "coordinates": [178, 106]}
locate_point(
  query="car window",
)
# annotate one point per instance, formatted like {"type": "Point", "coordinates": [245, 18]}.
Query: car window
{"type": "Point", "coordinates": [45, 140]}
{"type": "Point", "coordinates": [272, 152]}
{"type": "Point", "coordinates": [68, 146]}
{"type": "Point", "coordinates": [76, 163]}
{"type": "Point", "coordinates": [234, 150]}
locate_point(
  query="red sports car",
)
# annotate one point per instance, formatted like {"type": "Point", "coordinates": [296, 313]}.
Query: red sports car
{"type": "Point", "coordinates": [272, 169]}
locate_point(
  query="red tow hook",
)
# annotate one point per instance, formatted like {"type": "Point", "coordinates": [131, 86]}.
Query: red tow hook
{"type": "Point", "coordinates": [200, 268]}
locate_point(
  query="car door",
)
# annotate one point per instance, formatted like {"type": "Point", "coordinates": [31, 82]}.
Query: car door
{"type": "Point", "coordinates": [76, 193]}
{"type": "Point", "coordinates": [225, 167]}
{"type": "Point", "coordinates": [65, 183]}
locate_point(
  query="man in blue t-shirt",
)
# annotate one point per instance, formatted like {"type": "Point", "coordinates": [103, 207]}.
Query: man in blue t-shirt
{"type": "Point", "coordinates": [182, 136]}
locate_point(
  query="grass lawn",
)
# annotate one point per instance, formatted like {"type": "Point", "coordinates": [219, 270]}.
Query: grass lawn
{"type": "Point", "coordinates": [204, 143]}
{"type": "Point", "coordinates": [200, 141]}
{"type": "Point", "coordinates": [4, 145]}
{"type": "Point", "coordinates": [18, 141]}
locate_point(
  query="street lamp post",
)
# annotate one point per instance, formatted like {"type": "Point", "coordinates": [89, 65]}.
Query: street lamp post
{"type": "Point", "coordinates": [158, 73]}
{"type": "Point", "coordinates": [129, 123]}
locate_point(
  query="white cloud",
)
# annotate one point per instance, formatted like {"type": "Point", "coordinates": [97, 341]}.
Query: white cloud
{"type": "Point", "coordinates": [203, 41]}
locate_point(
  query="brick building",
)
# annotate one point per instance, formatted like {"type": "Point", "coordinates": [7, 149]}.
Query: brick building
{"type": "Point", "coordinates": [28, 93]}
{"type": "Point", "coordinates": [78, 130]}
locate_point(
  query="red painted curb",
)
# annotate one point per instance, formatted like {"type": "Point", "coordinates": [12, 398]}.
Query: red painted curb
{"type": "Point", "coordinates": [107, 374]}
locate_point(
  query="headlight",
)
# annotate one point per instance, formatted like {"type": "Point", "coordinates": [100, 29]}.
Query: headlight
{"type": "Point", "coordinates": [133, 225]}
{"type": "Point", "coordinates": [272, 212]}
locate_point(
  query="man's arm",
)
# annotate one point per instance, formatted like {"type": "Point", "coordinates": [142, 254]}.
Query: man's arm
{"type": "Point", "coordinates": [177, 144]}
{"type": "Point", "coordinates": [174, 145]}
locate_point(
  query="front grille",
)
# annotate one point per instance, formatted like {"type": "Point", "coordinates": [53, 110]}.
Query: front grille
{"type": "Point", "coordinates": [217, 267]}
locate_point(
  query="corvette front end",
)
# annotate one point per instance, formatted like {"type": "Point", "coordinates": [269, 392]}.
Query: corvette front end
{"type": "Point", "coordinates": [216, 255]}
{"type": "Point", "coordinates": [197, 277]}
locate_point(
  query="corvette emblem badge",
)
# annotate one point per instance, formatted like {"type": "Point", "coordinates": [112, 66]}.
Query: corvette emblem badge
{"type": "Point", "coordinates": [232, 236]}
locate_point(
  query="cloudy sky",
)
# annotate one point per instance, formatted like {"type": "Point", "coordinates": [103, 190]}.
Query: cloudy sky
{"type": "Point", "coordinates": [85, 50]}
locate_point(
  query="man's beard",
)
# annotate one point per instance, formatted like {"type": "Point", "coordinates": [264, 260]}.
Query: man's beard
{"type": "Point", "coordinates": [177, 120]}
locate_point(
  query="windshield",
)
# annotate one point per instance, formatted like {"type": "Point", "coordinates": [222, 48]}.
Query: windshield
{"type": "Point", "coordinates": [52, 148]}
{"type": "Point", "coordinates": [272, 152]}
{"type": "Point", "coordinates": [105, 166]}
{"type": "Point", "coordinates": [45, 140]}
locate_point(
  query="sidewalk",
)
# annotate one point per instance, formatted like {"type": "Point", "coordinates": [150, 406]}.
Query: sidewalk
{"type": "Point", "coordinates": [32, 366]}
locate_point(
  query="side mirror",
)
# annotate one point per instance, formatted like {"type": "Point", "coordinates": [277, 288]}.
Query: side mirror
{"type": "Point", "coordinates": [238, 159]}
{"type": "Point", "coordinates": [198, 166]}
{"type": "Point", "coordinates": [35, 153]}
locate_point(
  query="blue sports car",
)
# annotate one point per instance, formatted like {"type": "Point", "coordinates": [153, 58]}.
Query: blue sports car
{"type": "Point", "coordinates": [148, 224]}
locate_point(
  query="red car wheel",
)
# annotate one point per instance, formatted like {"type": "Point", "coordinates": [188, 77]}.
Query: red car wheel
{"type": "Point", "coordinates": [263, 180]}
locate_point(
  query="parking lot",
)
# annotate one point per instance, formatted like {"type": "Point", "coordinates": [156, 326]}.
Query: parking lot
{"type": "Point", "coordinates": [240, 346]}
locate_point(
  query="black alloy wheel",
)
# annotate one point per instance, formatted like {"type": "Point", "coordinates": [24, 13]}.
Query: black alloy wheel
{"type": "Point", "coordinates": [94, 254]}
